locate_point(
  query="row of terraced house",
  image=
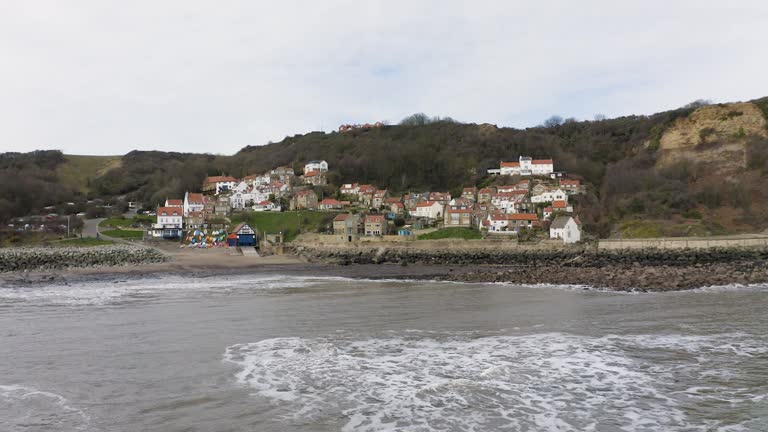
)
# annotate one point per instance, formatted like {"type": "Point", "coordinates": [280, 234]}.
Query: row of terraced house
{"type": "Point", "coordinates": [540, 194]}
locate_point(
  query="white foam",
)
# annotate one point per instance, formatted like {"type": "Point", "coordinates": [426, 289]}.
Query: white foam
{"type": "Point", "coordinates": [104, 293]}
{"type": "Point", "coordinates": [537, 382]}
{"type": "Point", "coordinates": [27, 408]}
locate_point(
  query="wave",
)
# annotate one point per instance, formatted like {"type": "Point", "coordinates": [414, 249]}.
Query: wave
{"type": "Point", "coordinates": [548, 381]}
{"type": "Point", "coordinates": [26, 408]}
{"type": "Point", "coordinates": [106, 293]}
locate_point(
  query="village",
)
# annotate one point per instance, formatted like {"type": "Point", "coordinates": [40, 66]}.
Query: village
{"type": "Point", "coordinates": [538, 198]}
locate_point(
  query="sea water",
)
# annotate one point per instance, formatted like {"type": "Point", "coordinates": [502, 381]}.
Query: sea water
{"type": "Point", "coordinates": [300, 353]}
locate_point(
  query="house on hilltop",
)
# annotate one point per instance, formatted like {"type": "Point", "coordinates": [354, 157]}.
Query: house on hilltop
{"type": "Point", "coordinates": [316, 165]}
{"type": "Point", "coordinates": [525, 166]}
{"type": "Point", "coordinates": [217, 184]}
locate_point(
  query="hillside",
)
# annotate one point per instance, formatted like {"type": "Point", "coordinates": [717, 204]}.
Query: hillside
{"type": "Point", "coordinates": [697, 170]}
{"type": "Point", "coordinates": [77, 171]}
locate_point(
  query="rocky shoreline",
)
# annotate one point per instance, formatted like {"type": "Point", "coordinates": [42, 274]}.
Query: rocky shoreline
{"type": "Point", "coordinates": [622, 270]}
{"type": "Point", "coordinates": [58, 258]}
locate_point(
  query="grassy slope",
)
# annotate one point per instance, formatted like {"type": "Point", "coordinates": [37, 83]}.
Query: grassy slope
{"type": "Point", "coordinates": [289, 223]}
{"type": "Point", "coordinates": [78, 170]}
{"type": "Point", "coordinates": [446, 233]}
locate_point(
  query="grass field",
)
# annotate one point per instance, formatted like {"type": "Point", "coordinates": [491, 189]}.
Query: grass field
{"type": "Point", "coordinates": [120, 222]}
{"type": "Point", "coordinates": [86, 241]}
{"type": "Point", "coordinates": [451, 233]}
{"type": "Point", "coordinates": [78, 170]}
{"type": "Point", "coordinates": [125, 234]}
{"type": "Point", "coordinates": [115, 222]}
{"type": "Point", "coordinates": [289, 223]}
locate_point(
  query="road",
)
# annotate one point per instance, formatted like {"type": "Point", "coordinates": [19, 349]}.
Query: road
{"type": "Point", "coordinates": [91, 227]}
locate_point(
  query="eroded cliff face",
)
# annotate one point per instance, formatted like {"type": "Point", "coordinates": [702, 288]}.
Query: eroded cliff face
{"type": "Point", "coordinates": [715, 136]}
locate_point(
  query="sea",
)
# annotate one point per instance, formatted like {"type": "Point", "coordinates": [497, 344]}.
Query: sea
{"type": "Point", "coordinates": [281, 352]}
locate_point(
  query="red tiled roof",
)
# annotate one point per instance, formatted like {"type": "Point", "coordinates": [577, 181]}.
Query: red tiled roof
{"type": "Point", "coordinates": [542, 162]}
{"type": "Point", "coordinates": [220, 179]}
{"type": "Point", "coordinates": [559, 204]}
{"type": "Point", "coordinates": [426, 204]}
{"type": "Point", "coordinates": [515, 216]}
{"type": "Point", "coordinates": [330, 201]}
{"type": "Point", "coordinates": [486, 190]}
{"type": "Point", "coordinates": [341, 217]}
{"type": "Point", "coordinates": [264, 203]}
{"type": "Point", "coordinates": [311, 173]}
{"type": "Point", "coordinates": [175, 202]}
{"type": "Point", "coordinates": [168, 211]}
{"type": "Point", "coordinates": [374, 218]}
{"type": "Point", "coordinates": [509, 164]}
{"type": "Point", "coordinates": [305, 192]}
{"type": "Point", "coordinates": [195, 198]}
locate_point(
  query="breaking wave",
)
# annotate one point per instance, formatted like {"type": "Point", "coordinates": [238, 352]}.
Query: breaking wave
{"type": "Point", "coordinates": [549, 381]}
{"type": "Point", "coordinates": [105, 293]}
{"type": "Point", "coordinates": [26, 409]}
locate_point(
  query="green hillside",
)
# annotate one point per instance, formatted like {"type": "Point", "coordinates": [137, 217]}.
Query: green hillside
{"type": "Point", "coordinates": [78, 171]}
{"type": "Point", "coordinates": [704, 167]}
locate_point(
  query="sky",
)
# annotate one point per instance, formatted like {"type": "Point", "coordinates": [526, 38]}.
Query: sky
{"type": "Point", "coordinates": [107, 77]}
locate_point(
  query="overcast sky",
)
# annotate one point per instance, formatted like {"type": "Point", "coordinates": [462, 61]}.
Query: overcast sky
{"type": "Point", "coordinates": [107, 77]}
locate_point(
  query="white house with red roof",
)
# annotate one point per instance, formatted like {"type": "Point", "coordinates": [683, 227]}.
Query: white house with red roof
{"type": "Point", "coordinates": [508, 202]}
{"type": "Point", "coordinates": [265, 205]}
{"type": "Point", "coordinates": [570, 186]}
{"type": "Point", "coordinates": [193, 202]}
{"type": "Point", "coordinates": [550, 196]}
{"type": "Point", "coordinates": [525, 166]}
{"type": "Point", "coordinates": [316, 165]}
{"type": "Point", "coordinates": [429, 210]}
{"type": "Point", "coordinates": [349, 188]}
{"type": "Point", "coordinates": [506, 223]}
{"type": "Point", "coordinates": [557, 206]}
{"type": "Point", "coordinates": [174, 203]}
{"type": "Point", "coordinates": [218, 184]}
{"type": "Point", "coordinates": [170, 223]}
{"type": "Point", "coordinates": [331, 204]}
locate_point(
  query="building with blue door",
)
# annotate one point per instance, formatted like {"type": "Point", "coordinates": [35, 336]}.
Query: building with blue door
{"type": "Point", "coordinates": [246, 236]}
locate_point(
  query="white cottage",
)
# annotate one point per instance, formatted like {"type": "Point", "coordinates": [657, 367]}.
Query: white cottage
{"type": "Point", "coordinates": [429, 210]}
{"type": "Point", "coordinates": [316, 165]}
{"type": "Point", "coordinates": [566, 228]}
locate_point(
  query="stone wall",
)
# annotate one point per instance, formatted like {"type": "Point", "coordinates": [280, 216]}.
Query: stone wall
{"type": "Point", "coordinates": [686, 243]}
{"type": "Point", "coordinates": [48, 258]}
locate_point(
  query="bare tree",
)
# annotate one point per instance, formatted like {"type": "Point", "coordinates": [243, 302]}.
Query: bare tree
{"type": "Point", "coordinates": [553, 121]}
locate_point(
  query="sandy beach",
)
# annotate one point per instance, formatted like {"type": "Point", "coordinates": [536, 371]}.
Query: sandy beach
{"type": "Point", "coordinates": [217, 261]}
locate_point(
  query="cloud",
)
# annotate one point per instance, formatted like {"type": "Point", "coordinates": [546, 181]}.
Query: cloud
{"type": "Point", "coordinates": [106, 77]}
